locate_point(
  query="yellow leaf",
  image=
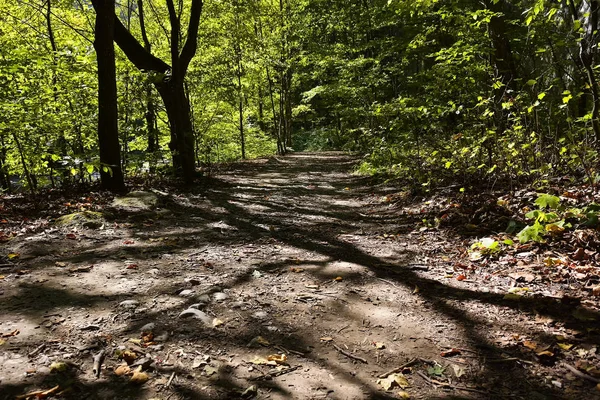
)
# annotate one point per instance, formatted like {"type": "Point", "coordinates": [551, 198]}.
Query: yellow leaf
{"type": "Point", "coordinates": [512, 296]}
{"type": "Point", "coordinates": [2, 277]}
{"type": "Point", "coordinates": [122, 370]}
{"type": "Point", "coordinates": [58, 366]}
{"type": "Point", "coordinates": [393, 381]}
{"type": "Point", "coordinates": [530, 344]}
{"type": "Point", "coordinates": [139, 376]}
{"type": "Point", "coordinates": [279, 359]}
{"type": "Point", "coordinates": [129, 356]}
{"type": "Point", "coordinates": [2, 341]}
{"type": "Point", "coordinates": [379, 345]}
{"type": "Point", "coordinates": [565, 346]}
{"type": "Point", "coordinates": [262, 361]}
{"type": "Point", "coordinates": [404, 395]}
{"type": "Point", "coordinates": [338, 279]}
{"type": "Point", "coordinates": [13, 255]}
{"type": "Point", "coordinates": [217, 322]}
{"type": "Point", "coordinates": [416, 290]}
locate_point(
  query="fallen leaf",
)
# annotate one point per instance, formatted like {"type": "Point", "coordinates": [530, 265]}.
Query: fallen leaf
{"type": "Point", "coordinates": [208, 370]}
{"type": "Point", "coordinates": [450, 353]}
{"type": "Point", "coordinates": [2, 341]}
{"type": "Point", "coordinates": [139, 376]}
{"type": "Point", "coordinates": [279, 359]}
{"type": "Point", "coordinates": [59, 366]}
{"type": "Point", "coordinates": [379, 345]}
{"type": "Point", "coordinates": [296, 269]}
{"type": "Point", "coordinates": [393, 380]}
{"type": "Point", "coordinates": [579, 254]}
{"type": "Point", "coordinates": [2, 277]}
{"type": "Point", "coordinates": [461, 277]}
{"type": "Point", "coordinates": [530, 344]}
{"type": "Point", "coordinates": [217, 322]}
{"type": "Point", "coordinates": [338, 279]}
{"type": "Point", "coordinates": [128, 242]}
{"type": "Point", "coordinates": [404, 395]}
{"type": "Point", "coordinates": [132, 266]}
{"type": "Point", "coordinates": [60, 264]}
{"type": "Point", "coordinates": [259, 340]}
{"type": "Point", "coordinates": [326, 339]}
{"type": "Point", "coordinates": [262, 361]}
{"type": "Point", "coordinates": [71, 236]}
{"type": "Point", "coordinates": [128, 356]}
{"type": "Point", "coordinates": [596, 290]}
{"type": "Point", "coordinates": [122, 369]}
{"type": "Point", "coordinates": [512, 296]}
{"type": "Point", "coordinates": [458, 370]}
{"type": "Point", "coordinates": [565, 346]}
{"type": "Point", "coordinates": [13, 255]}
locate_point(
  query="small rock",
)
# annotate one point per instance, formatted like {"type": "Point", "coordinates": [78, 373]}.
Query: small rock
{"type": "Point", "coordinates": [260, 315]}
{"type": "Point", "coordinates": [129, 304]}
{"type": "Point", "coordinates": [136, 201]}
{"type": "Point", "coordinates": [186, 293]}
{"type": "Point", "coordinates": [149, 327]}
{"type": "Point", "coordinates": [201, 315]}
{"type": "Point", "coordinates": [203, 298]}
{"type": "Point", "coordinates": [220, 296]}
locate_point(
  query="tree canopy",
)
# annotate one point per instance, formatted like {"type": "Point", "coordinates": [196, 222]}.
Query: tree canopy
{"type": "Point", "coordinates": [426, 89]}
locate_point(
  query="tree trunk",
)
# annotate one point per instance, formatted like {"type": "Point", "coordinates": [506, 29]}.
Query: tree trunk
{"type": "Point", "coordinates": [170, 87]}
{"type": "Point", "coordinates": [111, 174]}
{"type": "Point", "coordinates": [502, 60]}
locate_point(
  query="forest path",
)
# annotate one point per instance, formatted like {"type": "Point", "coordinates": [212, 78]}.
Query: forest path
{"type": "Point", "coordinates": [291, 255]}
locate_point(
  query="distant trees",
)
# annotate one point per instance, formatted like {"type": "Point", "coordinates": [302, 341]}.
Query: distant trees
{"type": "Point", "coordinates": [427, 90]}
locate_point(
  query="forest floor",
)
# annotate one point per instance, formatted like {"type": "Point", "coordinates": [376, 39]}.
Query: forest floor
{"type": "Point", "coordinates": [287, 278]}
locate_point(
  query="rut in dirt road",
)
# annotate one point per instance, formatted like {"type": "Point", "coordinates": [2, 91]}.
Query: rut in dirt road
{"type": "Point", "coordinates": [291, 255]}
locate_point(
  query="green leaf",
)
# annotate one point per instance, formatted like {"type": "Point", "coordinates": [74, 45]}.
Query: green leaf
{"type": "Point", "coordinates": [547, 200]}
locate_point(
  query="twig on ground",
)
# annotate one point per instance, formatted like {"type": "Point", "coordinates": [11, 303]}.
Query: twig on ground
{"type": "Point", "coordinates": [400, 368]}
{"type": "Point", "coordinates": [580, 374]}
{"type": "Point", "coordinates": [388, 282]}
{"type": "Point", "coordinates": [350, 355]}
{"type": "Point", "coordinates": [39, 394]}
{"type": "Point", "coordinates": [273, 374]}
{"type": "Point", "coordinates": [171, 379]}
{"type": "Point", "coordinates": [37, 350]}
{"type": "Point", "coordinates": [435, 382]}
{"type": "Point", "coordinates": [98, 359]}
{"type": "Point", "coordinates": [499, 360]}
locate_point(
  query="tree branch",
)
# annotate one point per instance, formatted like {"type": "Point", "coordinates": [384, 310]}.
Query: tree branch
{"type": "Point", "coordinates": [191, 42]}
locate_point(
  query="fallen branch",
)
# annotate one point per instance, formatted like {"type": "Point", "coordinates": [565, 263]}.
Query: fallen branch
{"type": "Point", "coordinates": [350, 355]}
{"type": "Point", "coordinates": [580, 374]}
{"type": "Point", "coordinates": [400, 368]}
{"type": "Point", "coordinates": [98, 359]}
{"type": "Point", "coordinates": [273, 374]}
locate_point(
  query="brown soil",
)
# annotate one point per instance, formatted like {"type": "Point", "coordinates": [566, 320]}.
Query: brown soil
{"type": "Point", "coordinates": [299, 252]}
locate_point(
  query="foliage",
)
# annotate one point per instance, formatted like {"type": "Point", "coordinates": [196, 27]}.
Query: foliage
{"type": "Point", "coordinates": [551, 218]}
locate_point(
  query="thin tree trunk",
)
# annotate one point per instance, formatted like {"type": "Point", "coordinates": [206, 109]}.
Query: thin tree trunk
{"type": "Point", "coordinates": [111, 174]}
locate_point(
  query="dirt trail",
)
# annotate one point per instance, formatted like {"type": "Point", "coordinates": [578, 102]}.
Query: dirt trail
{"type": "Point", "coordinates": [291, 255]}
